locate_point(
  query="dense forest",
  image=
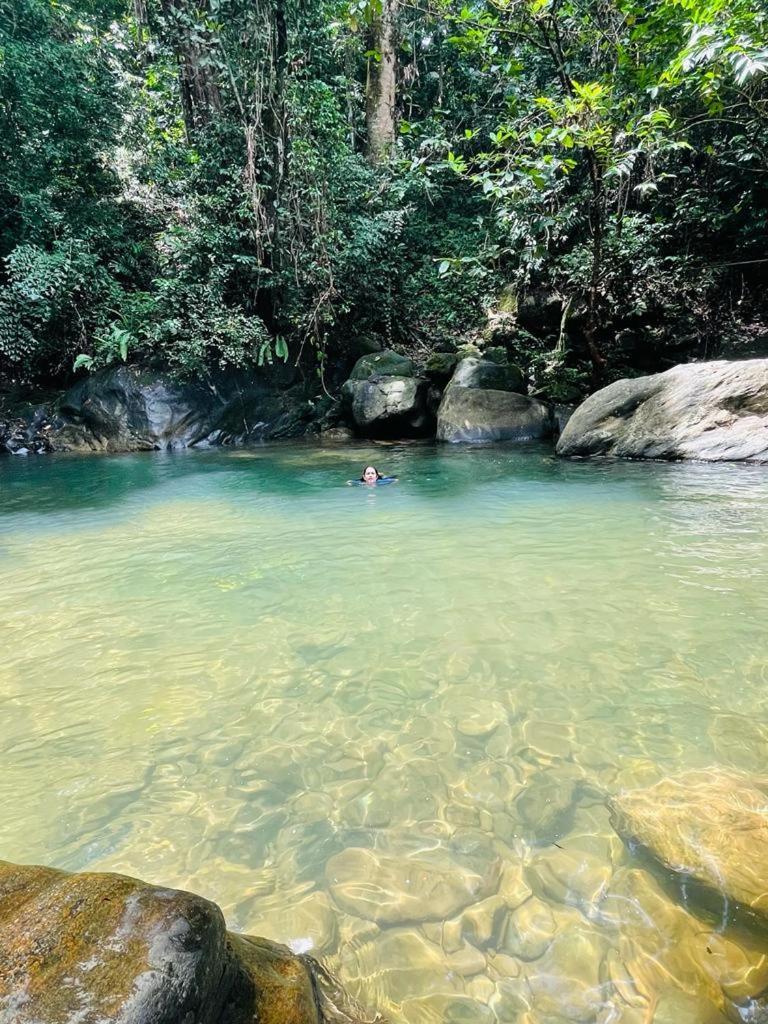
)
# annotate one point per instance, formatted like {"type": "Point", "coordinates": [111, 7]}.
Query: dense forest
{"type": "Point", "coordinates": [204, 184]}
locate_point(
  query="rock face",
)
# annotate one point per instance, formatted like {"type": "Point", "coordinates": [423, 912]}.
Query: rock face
{"type": "Point", "coordinates": [711, 411]}
{"type": "Point", "coordinates": [711, 826]}
{"type": "Point", "coordinates": [125, 409]}
{"type": "Point", "coordinates": [386, 399]}
{"type": "Point", "coordinates": [104, 948]}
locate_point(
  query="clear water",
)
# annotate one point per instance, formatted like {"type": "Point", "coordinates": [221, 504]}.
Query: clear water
{"type": "Point", "coordinates": [225, 670]}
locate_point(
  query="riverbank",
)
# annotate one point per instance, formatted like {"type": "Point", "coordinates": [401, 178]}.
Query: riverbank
{"type": "Point", "coordinates": [713, 411]}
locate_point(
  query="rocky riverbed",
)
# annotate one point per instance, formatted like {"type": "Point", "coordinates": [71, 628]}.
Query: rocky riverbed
{"type": "Point", "coordinates": [463, 929]}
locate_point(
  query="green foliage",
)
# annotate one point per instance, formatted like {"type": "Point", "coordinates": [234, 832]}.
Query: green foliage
{"type": "Point", "coordinates": [184, 184]}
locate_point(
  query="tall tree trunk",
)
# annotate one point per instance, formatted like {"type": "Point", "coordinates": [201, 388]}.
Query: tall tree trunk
{"type": "Point", "coordinates": [200, 96]}
{"type": "Point", "coordinates": [381, 89]}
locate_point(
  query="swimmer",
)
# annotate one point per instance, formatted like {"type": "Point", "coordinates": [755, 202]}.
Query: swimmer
{"type": "Point", "coordinates": [371, 476]}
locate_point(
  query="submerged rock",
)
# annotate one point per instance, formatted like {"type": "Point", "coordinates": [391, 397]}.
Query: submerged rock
{"type": "Point", "coordinates": [712, 411]}
{"type": "Point", "coordinates": [104, 948]}
{"type": "Point", "coordinates": [432, 885]}
{"type": "Point", "coordinates": [709, 825]}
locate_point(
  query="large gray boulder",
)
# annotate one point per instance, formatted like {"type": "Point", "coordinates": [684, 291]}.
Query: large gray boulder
{"type": "Point", "coordinates": [711, 411]}
{"type": "Point", "coordinates": [471, 414]}
{"type": "Point", "coordinates": [483, 403]}
{"type": "Point", "coordinates": [385, 399]}
{"type": "Point", "coordinates": [107, 949]}
{"type": "Point", "coordinates": [127, 409]}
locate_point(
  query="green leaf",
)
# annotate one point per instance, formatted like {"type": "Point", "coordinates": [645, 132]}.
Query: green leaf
{"type": "Point", "coordinates": [82, 362]}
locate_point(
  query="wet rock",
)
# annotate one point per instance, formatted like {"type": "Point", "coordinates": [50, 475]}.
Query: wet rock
{"type": "Point", "coordinates": [474, 414]}
{"type": "Point", "coordinates": [127, 409]}
{"type": "Point", "coordinates": [101, 948]}
{"type": "Point", "coordinates": [389, 406]}
{"type": "Point", "coordinates": [572, 877]}
{"type": "Point", "coordinates": [384, 364]}
{"type": "Point", "coordinates": [708, 825]}
{"type": "Point", "coordinates": [427, 885]}
{"type": "Point", "coordinates": [529, 930]}
{"type": "Point", "coordinates": [663, 949]}
{"type": "Point", "coordinates": [565, 982]}
{"type": "Point", "coordinates": [545, 806]}
{"type": "Point", "coordinates": [713, 411]}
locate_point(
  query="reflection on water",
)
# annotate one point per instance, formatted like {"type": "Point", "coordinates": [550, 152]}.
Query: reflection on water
{"type": "Point", "coordinates": [382, 725]}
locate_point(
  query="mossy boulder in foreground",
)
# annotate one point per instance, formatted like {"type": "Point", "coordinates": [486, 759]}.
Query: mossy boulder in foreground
{"type": "Point", "coordinates": [104, 948]}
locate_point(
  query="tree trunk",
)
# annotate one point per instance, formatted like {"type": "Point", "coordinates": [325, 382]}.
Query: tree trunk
{"type": "Point", "coordinates": [200, 96]}
{"type": "Point", "coordinates": [381, 90]}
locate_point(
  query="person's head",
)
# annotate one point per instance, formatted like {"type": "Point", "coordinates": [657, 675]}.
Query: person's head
{"type": "Point", "coordinates": [370, 475]}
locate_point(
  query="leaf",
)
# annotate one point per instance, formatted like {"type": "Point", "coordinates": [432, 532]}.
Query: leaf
{"type": "Point", "coordinates": [281, 348]}
{"type": "Point", "coordinates": [82, 361]}
{"type": "Point", "coordinates": [445, 266]}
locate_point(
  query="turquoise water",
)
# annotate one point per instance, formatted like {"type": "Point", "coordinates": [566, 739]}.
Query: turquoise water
{"type": "Point", "coordinates": [370, 722]}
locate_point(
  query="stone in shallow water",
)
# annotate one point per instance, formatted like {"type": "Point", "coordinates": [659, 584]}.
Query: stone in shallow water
{"type": "Point", "coordinates": [103, 949]}
{"type": "Point", "coordinates": [665, 954]}
{"type": "Point", "coordinates": [566, 981]}
{"type": "Point", "coordinates": [401, 963]}
{"type": "Point", "coordinates": [570, 876]}
{"type": "Point", "coordinates": [529, 930]}
{"type": "Point", "coordinates": [428, 885]}
{"type": "Point", "coordinates": [709, 825]}
{"type": "Point", "coordinates": [545, 806]}
{"type": "Point", "coordinates": [456, 1009]}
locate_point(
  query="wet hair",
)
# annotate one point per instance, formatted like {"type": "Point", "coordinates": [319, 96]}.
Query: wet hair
{"type": "Point", "coordinates": [378, 474]}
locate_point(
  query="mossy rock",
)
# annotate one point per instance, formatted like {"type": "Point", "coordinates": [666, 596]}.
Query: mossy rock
{"type": "Point", "coordinates": [383, 364]}
{"type": "Point", "coordinates": [108, 949]}
{"type": "Point", "coordinates": [496, 354]}
{"type": "Point", "coordinates": [487, 375]}
{"type": "Point", "coordinates": [441, 365]}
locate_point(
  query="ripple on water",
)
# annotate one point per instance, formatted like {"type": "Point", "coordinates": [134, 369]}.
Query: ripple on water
{"type": "Point", "coordinates": [381, 726]}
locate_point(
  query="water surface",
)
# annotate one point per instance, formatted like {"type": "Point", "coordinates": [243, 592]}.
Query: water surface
{"type": "Point", "coordinates": [230, 672]}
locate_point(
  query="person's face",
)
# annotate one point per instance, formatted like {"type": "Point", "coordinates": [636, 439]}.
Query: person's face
{"type": "Point", "coordinates": [369, 475]}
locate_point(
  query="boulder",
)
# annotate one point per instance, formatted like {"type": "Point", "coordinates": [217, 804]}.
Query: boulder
{"type": "Point", "coordinates": [488, 375]}
{"type": "Point", "coordinates": [712, 411]}
{"type": "Point", "coordinates": [127, 409]}
{"type": "Point", "coordinates": [474, 414]}
{"type": "Point", "coordinates": [389, 406]}
{"type": "Point", "coordinates": [107, 949]}
{"type": "Point", "coordinates": [708, 825]}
